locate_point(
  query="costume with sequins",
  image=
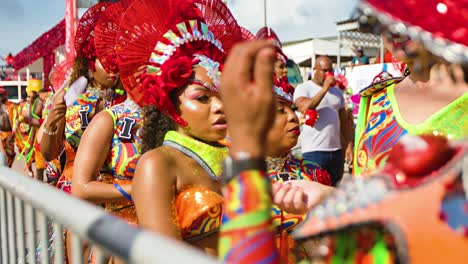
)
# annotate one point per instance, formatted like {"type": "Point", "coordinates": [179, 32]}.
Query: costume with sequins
{"type": "Point", "coordinates": [77, 118]}
{"type": "Point", "coordinates": [380, 126]}
{"type": "Point", "coordinates": [8, 142]}
{"type": "Point", "coordinates": [198, 209]}
{"type": "Point", "coordinates": [124, 155]}
{"type": "Point", "coordinates": [370, 228]}
{"type": "Point", "coordinates": [286, 169]}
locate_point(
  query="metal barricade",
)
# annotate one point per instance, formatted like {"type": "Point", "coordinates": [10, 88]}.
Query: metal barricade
{"type": "Point", "coordinates": [34, 215]}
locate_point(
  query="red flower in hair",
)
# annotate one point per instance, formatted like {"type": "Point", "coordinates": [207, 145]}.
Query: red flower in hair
{"type": "Point", "coordinates": [176, 71]}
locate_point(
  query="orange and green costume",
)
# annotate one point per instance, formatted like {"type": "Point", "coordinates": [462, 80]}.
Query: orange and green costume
{"type": "Point", "coordinates": [380, 126]}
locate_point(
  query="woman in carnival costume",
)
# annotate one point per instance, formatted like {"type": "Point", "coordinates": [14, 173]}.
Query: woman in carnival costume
{"type": "Point", "coordinates": [391, 217]}
{"type": "Point", "coordinates": [432, 99]}
{"type": "Point", "coordinates": [111, 146]}
{"type": "Point", "coordinates": [170, 55]}
{"type": "Point", "coordinates": [290, 175]}
{"type": "Point", "coordinates": [91, 90]}
{"type": "Point", "coordinates": [28, 120]}
{"type": "Point", "coordinates": [74, 107]}
{"type": "Point", "coordinates": [7, 134]}
{"type": "Point", "coordinates": [58, 78]}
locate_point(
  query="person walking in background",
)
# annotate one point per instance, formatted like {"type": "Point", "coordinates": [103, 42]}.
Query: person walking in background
{"type": "Point", "coordinates": [6, 122]}
{"type": "Point", "coordinates": [360, 58]}
{"type": "Point", "coordinates": [322, 143]}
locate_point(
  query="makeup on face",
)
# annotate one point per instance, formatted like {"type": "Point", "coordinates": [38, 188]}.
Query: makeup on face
{"type": "Point", "coordinates": [190, 105]}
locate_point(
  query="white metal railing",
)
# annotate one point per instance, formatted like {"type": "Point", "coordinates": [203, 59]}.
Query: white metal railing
{"type": "Point", "coordinates": [31, 213]}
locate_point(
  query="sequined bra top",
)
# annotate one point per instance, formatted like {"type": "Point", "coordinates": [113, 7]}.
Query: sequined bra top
{"type": "Point", "coordinates": [293, 168]}
{"type": "Point", "coordinates": [199, 210]}
{"type": "Point", "coordinates": [382, 127]}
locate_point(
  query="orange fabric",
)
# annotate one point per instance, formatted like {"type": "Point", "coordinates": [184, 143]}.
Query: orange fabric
{"type": "Point", "coordinates": [199, 211]}
{"type": "Point", "coordinates": [40, 161]}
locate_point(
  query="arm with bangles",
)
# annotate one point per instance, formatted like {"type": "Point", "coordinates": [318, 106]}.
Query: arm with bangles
{"type": "Point", "coordinates": [51, 133]}
{"type": "Point", "coordinates": [92, 153]}
{"type": "Point", "coordinates": [247, 233]}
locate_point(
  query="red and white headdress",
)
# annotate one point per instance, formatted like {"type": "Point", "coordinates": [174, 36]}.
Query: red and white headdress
{"type": "Point", "coordinates": [160, 41]}
{"type": "Point", "coordinates": [441, 26]}
{"type": "Point", "coordinates": [84, 39]}
{"type": "Point", "coordinates": [105, 34]}
{"type": "Point", "coordinates": [282, 88]}
{"type": "Point", "coordinates": [268, 33]}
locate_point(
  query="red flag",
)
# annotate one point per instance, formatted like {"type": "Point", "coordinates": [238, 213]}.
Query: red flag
{"type": "Point", "coordinates": [71, 21]}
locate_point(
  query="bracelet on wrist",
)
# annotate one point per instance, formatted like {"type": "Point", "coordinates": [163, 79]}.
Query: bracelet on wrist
{"type": "Point", "coordinates": [50, 133]}
{"type": "Point", "coordinates": [233, 167]}
{"type": "Point", "coordinates": [123, 192]}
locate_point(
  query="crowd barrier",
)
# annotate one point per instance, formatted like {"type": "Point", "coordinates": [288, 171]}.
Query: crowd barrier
{"type": "Point", "coordinates": [33, 217]}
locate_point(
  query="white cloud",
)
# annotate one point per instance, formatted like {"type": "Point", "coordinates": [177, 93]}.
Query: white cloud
{"type": "Point", "coordinates": [293, 19]}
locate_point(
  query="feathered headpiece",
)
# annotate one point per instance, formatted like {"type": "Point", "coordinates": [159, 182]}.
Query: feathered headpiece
{"type": "Point", "coordinates": [282, 88]}
{"type": "Point", "coordinates": [160, 41]}
{"type": "Point", "coordinates": [84, 39]}
{"type": "Point", "coordinates": [268, 33]}
{"type": "Point", "coordinates": [440, 25]}
{"type": "Point", "coordinates": [105, 34]}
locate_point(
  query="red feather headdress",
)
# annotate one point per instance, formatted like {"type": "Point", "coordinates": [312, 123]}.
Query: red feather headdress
{"type": "Point", "coordinates": [84, 39]}
{"type": "Point", "coordinates": [105, 34]}
{"type": "Point", "coordinates": [160, 41]}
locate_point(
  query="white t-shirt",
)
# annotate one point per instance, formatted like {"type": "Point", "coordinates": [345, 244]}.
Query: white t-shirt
{"type": "Point", "coordinates": [325, 135]}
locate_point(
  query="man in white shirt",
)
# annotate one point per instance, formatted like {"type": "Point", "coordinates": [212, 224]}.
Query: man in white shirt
{"type": "Point", "coordinates": [323, 142]}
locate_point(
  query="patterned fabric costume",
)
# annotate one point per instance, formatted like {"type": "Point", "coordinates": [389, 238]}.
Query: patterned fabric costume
{"type": "Point", "coordinates": [386, 218]}
{"type": "Point", "coordinates": [286, 169]}
{"type": "Point", "coordinates": [78, 117]}
{"type": "Point", "coordinates": [123, 156]}
{"type": "Point", "coordinates": [198, 209]}
{"type": "Point", "coordinates": [380, 126]}
{"type": "Point", "coordinates": [26, 133]}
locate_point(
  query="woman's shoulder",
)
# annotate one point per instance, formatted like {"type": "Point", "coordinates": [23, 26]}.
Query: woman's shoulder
{"type": "Point", "coordinates": [160, 156]}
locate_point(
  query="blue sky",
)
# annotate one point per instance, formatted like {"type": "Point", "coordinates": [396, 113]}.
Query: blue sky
{"type": "Point", "coordinates": [22, 21]}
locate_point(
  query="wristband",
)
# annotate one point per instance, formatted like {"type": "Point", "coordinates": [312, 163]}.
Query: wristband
{"type": "Point", "coordinates": [233, 168]}
{"type": "Point", "coordinates": [124, 193]}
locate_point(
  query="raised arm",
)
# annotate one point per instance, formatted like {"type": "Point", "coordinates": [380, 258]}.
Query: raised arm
{"type": "Point", "coordinates": [304, 103]}
{"type": "Point", "coordinates": [246, 234]}
{"type": "Point", "coordinates": [51, 134]}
